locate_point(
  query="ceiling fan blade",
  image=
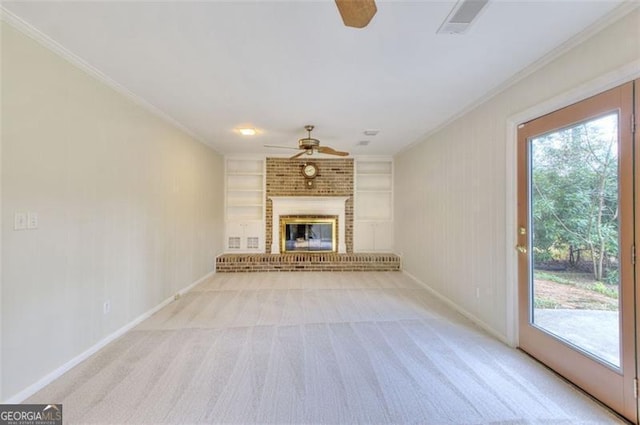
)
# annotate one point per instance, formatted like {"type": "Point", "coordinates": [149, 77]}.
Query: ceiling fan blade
{"type": "Point", "coordinates": [298, 154]}
{"type": "Point", "coordinates": [280, 147]}
{"type": "Point", "coordinates": [330, 151]}
{"type": "Point", "coordinates": [356, 13]}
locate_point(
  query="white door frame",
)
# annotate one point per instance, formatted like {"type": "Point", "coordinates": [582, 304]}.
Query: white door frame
{"type": "Point", "coordinates": [605, 82]}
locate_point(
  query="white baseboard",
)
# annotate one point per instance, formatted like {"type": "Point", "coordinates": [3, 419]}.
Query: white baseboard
{"type": "Point", "coordinates": [55, 374]}
{"type": "Point", "coordinates": [194, 284]}
{"type": "Point", "coordinates": [460, 310]}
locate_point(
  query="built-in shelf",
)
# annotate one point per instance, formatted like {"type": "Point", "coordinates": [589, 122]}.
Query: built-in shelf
{"type": "Point", "coordinates": [374, 183]}
{"type": "Point", "coordinates": [244, 212]}
{"type": "Point", "coordinates": [246, 174]}
{"type": "Point", "coordinates": [380, 167]}
{"type": "Point", "coordinates": [373, 209]}
{"type": "Point", "coordinates": [374, 190]}
{"type": "Point", "coordinates": [245, 182]}
{"type": "Point", "coordinates": [373, 205]}
{"type": "Point", "coordinates": [245, 166]}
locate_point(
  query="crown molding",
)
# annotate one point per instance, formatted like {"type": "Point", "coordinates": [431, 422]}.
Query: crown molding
{"type": "Point", "coordinates": [615, 15]}
{"type": "Point", "coordinates": [55, 47]}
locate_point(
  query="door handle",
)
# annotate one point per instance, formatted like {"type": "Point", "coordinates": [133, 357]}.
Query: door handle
{"type": "Point", "coordinates": [522, 249]}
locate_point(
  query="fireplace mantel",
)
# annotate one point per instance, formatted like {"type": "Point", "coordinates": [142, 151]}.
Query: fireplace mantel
{"type": "Point", "coordinates": [308, 205]}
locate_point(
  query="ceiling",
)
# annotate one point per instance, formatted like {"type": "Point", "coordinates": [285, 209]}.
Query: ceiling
{"type": "Point", "coordinates": [216, 66]}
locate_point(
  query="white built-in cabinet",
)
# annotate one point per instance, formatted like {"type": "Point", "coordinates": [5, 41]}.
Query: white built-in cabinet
{"type": "Point", "coordinates": [373, 208]}
{"type": "Point", "coordinates": [244, 205]}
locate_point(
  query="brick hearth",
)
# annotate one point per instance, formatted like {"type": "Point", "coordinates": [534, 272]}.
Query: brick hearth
{"type": "Point", "coordinates": [229, 263]}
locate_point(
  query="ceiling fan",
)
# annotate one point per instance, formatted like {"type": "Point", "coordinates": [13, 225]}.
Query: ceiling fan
{"type": "Point", "coordinates": [356, 13]}
{"type": "Point", "coordinates": [310, 145]}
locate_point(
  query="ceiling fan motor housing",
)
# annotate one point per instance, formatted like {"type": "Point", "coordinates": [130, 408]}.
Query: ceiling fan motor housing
{"type": "Point", "coordinates": [308, 143]}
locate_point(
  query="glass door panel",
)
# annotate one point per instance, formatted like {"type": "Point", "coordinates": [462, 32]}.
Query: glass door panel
{"type": "Point", "coordinates": [575, 236]}
{"type": "Point", "coordinates": [576, 239]}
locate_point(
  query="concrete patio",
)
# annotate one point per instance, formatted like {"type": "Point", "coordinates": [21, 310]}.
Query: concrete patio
{"type": "Point", "coordinates": [595, 331]}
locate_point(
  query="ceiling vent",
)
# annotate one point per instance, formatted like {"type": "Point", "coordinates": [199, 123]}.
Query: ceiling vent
{"type": "Point", "coordinates": [461, 17]}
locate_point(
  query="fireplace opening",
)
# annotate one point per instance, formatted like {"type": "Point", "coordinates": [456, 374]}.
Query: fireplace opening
{"type": "Point", "coordinates": [308, 234]}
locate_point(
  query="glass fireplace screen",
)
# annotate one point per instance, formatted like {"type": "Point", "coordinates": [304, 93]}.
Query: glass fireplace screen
{"type": "Point", "coordinates": [308, 234]}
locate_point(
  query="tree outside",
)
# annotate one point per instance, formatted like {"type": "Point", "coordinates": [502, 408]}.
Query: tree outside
{"type": "Point", "coordinates": [574, 195]}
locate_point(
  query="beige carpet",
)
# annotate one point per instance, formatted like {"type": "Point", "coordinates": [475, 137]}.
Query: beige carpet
{"type": "Point", "coordinates": [314, 348]}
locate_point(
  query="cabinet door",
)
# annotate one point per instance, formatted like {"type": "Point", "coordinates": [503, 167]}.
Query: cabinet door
{"type": "Point", "coordinates": [244, 236]}
{"type": "Point", "coordinates": [253, 239]}
{"type": "Point", "coordinates": [383, 236]}
{"type": "Point", "coordinates": [363, 236]}
{"type": "Point", "coordinates": [373, 236]}
{"type": "Point", "coordinates": [234, 235]}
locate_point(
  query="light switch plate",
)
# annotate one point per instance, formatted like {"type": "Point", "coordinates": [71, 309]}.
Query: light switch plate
{"type": "Point", "coordinates": [20, 221]}
{"type": "Point", "coordinates": [32, 220]}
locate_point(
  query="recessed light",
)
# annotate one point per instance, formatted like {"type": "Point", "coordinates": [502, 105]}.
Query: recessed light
{"type": "Point", "coordinates": [247, 131]}
{"type": "Point", "coordinates": [371, 132]}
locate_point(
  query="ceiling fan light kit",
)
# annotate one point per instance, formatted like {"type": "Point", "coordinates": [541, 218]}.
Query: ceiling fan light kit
{"type": "Point", "coordinates": [309, 145]}
{"type": "Point", "coordinates": [308, 142]}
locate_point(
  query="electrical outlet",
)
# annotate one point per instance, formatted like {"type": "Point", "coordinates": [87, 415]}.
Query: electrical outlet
{"type": "Point", "coordinates": [106, 307]}
{"type": "Point", "coordinates": [32, 220]}
{"type": "Point", "coordinates": [20, 221]}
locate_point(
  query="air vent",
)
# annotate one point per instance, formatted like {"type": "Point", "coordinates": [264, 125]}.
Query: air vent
{"type": "Point", "coordinates": [461, 17]}
{"type": "Point", "coordinates": [253, 242]}
{"type": "Point", "coordinates": [233, 242]}
{"type": "Point", "coordinates": [363, 143]}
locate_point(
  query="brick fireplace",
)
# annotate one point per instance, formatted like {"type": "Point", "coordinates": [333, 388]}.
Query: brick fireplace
{"type": "Point", "coordinates": [288, 195]}
{"type": "Point", "coordinates": [334, 184]}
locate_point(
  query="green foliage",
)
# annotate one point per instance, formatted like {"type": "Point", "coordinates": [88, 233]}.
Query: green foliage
{"type": "Point", "coordinates": [604, 290]}
{"type": "Point", "coordinates": [553, 278]}
{"type": "Point", "coordinates": [612, 277]}
{"type": "Point", "coordinates": [540, 302]}
{"type": "Point", "coordinates": [575, 192]}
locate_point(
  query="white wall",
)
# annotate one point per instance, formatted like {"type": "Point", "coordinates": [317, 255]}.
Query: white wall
{"type": "Point", "coordinates": [453, 199]}
{"type": "Point", "coordinates": [1, 220]}
{"type": "Point", "coordinates": [130, 210]}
